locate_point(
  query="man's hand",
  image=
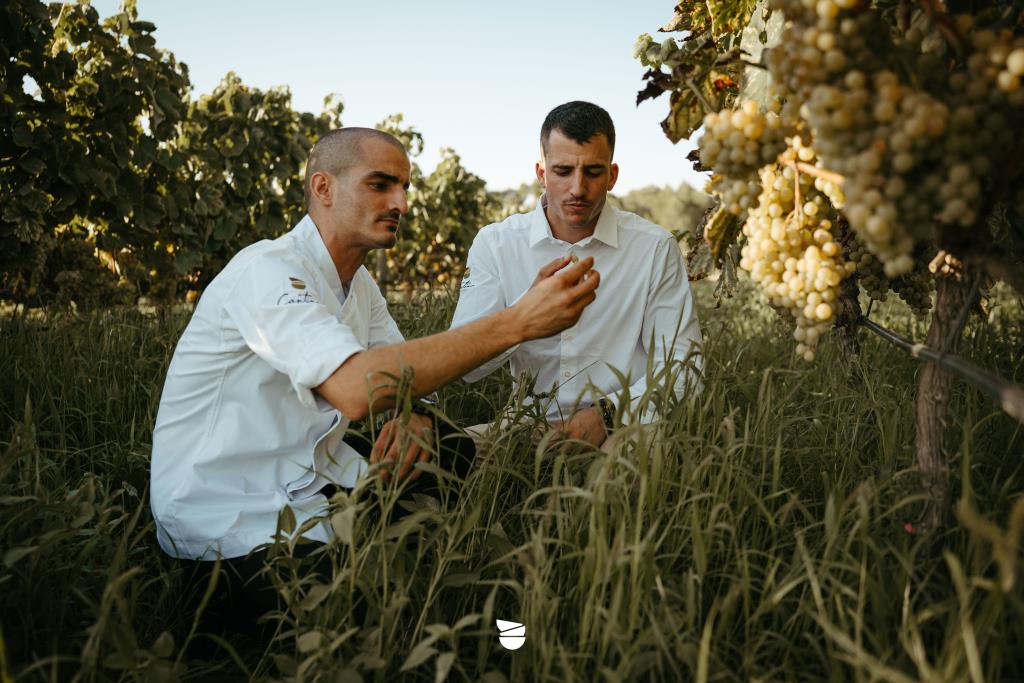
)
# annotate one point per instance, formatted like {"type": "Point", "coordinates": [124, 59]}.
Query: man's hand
{"type": "Point", "coordinates": [395, 443]}
{"type": "Point", "coordinates": [585, 425]}
{"type": "Point", "coordinates": [550, 269]}
{"type": "Point", "coordinates": [556, 300]}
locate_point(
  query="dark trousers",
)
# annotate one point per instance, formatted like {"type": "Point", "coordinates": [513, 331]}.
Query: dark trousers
{"type": "Point", "coordinates": [244, 592]}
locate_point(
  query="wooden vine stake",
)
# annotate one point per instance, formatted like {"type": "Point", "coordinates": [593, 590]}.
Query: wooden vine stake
{"type": "Point", "coordinates": [953, 287]}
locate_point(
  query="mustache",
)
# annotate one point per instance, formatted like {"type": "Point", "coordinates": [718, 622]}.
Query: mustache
{"type": "Point", "coordinates": [390, 216]}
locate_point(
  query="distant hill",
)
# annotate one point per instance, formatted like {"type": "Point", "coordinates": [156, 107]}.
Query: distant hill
{"type": "Point", "coordinates": [678, 209]}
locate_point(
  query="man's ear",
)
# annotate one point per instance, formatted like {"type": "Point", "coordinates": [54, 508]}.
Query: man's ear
{"type": "Point", "coordinates": [539, 170]}
{"type": "Point", "coordinates": [613, 175]}
{"type": "Point", "coordinates": [320, 188]}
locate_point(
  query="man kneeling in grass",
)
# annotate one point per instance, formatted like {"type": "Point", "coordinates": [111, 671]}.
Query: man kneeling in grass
{"type": "Point", "coordinates": [290, 343]}
{"type": "Point", "coordinates": [645, 318]}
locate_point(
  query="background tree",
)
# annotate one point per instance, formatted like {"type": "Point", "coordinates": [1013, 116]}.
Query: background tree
{"type": "Point", "coordinates": [88, 112]}
{"type": "Point", "coordinates": [115, 182]}
{"type": "Point", "coordinates": [244, 153]}
{"type": "Point", "coordinates": [518, 199]}
{"type": "Point", "coordinates": [446, 209]}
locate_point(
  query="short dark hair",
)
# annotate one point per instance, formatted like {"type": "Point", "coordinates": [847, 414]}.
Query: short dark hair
{"type": "Point", "coordinates": [579, 121]}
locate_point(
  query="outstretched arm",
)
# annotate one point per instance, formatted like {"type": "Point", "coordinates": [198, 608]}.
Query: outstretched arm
{"type": "Point", "coordinates": [551, 306]}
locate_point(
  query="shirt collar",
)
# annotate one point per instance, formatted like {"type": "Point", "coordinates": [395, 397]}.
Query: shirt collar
{"type": "Point", "coordinates": [313, 244]}
{"type": "Point", "coordinates": [539, 228]}
{"type": "Point", "coordinates": [606, 230]}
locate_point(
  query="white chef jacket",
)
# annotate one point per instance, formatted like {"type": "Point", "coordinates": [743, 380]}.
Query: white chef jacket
{"type": "Point", "coordinates": [644, 295]}
{"type": "Point", "coordinates": [239, 433]}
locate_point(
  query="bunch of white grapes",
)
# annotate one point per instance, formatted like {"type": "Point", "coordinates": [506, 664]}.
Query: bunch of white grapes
{"type": "Point", "coordinates": [800, 151]}
{"type": "Point", "coordinates": [736, 143]}
{"type": "Point", "coordinates": [852, 107]}
{"type": "Point", "coordinates": [819, 46]}
{"type": "Point", "coordinates": [1004, 60]}
{"type": "Point", "coordinates": [912, 153]}
{"type": "Point", "coordinates": [881, 137]}
{"type": "Point", "coordinates": [791, 251]}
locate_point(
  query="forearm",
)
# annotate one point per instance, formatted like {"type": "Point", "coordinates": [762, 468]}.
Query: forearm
{"type": "Point", "coordinates": [367, 381]}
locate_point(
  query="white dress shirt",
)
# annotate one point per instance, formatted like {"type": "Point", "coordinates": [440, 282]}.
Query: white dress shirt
{"type": "Point", "coordinates": [239, 433]}
{"type": "Point", "coordinates": [644, 296]}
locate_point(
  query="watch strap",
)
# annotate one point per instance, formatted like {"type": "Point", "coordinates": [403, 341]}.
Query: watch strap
{"type": "Point", "coordinates": [607, 409]}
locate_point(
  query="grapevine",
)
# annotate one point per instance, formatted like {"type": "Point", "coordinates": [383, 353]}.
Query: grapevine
{"type": "Point", "coordinates": [883, 154]}
{"type": "Point", "coordinates": [894, 130]}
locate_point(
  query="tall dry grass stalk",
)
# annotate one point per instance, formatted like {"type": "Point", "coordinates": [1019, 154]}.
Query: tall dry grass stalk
{"type": "Point", "coordinates": [762, 531]}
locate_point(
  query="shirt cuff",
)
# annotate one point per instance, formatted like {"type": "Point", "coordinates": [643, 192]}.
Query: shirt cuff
{"type": "Point", "coordinates": [318, 366]}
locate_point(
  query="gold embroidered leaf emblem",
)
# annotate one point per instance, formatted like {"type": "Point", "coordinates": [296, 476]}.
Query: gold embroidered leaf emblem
{"type": "Point", "coordinates": [297, 283]}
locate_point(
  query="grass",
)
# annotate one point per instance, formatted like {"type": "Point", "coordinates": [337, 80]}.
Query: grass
{"type": "Point", "coordinates": [758, 534]}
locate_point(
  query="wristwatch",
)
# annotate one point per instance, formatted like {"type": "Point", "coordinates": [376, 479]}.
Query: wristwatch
{"type": "Point", "coordinates": [607, 409]}
{"type": "Point", "coordinates": [420, 408]}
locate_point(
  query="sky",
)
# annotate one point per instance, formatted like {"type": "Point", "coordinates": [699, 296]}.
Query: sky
{"type": "Point", "coordinates": [478, 77]}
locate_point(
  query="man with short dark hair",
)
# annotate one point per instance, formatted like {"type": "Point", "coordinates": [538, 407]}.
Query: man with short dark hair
{"type": "Point", "coordinates": [645, 319]}
{"type": "Point", "coordinates": [290, 343]}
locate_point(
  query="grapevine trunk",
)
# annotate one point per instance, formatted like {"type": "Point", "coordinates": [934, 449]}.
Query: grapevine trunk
{"type": "Point", "coordinates": [953, 290]}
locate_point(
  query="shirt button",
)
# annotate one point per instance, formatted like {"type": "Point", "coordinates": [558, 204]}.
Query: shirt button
{"type": "Point", "coordinates": [567, 374]}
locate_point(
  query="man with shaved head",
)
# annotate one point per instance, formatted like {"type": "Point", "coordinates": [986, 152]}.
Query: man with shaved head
{"type": "Point", "coordinates": [287, 346]}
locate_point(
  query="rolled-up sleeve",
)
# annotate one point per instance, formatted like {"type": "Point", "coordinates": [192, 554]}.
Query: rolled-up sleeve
{"type": "Point", "coordinates": [278, 311]}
